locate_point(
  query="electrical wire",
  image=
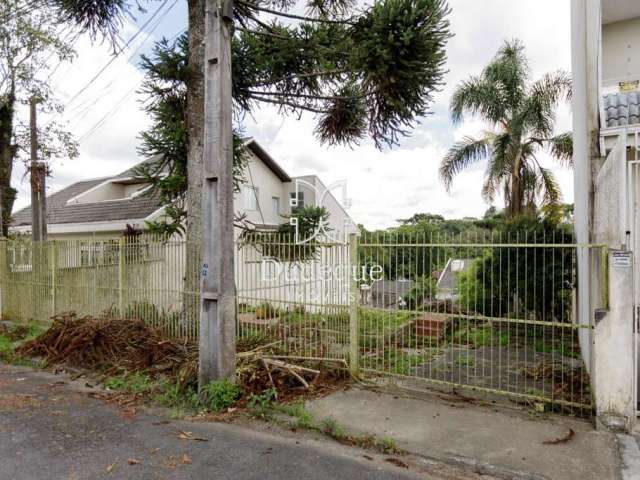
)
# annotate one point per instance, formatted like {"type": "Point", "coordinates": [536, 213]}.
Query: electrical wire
{"type": "Point", "coordinates": [85, 107]}
{"type": "Point", "coordinates": [114, 57]}
{"type": "Point", "coordinates": [117, 107]}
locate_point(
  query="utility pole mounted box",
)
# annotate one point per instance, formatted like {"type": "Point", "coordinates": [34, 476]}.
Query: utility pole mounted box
{"type": "Point", "coordinates": [217, 288]}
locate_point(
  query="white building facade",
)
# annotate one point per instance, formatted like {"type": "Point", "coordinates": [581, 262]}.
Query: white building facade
{"type": "Point", "coordinates": [606, 130]}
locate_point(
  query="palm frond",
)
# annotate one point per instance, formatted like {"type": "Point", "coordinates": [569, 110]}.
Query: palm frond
{"type": "Point", "coordinates": [549, 187]}
{"type": "Point", "coordinates": [562, 148]}
{"type": "Point", "coordinates": [538, 114]}
{"type": "Point", "coordinates": [477, 97]}
{"type": "Point", "coordinates": [510, 69]}
{"type": "Point", "coordinates": [463, 153]}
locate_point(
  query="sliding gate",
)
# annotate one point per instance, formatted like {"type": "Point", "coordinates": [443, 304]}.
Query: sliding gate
{"type": "Point", "coordinates": [490, 312]}
{"type": "Point", "coordinates": [493, 313]}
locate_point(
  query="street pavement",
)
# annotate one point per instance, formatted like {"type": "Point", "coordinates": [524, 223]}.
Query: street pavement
{"type": "Point", "coordinates": [52, 429]}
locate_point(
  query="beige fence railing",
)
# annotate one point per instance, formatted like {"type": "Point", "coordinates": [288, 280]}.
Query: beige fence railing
{"type": "Point", "coordinates": [487, 312]}
{"type": "Point", "coordinates": [147, 278]}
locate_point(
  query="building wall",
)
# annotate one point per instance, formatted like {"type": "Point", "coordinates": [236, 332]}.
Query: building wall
{"type": "Point", "coordinates": [620, 52]}
{"type": "Point", "coordinates": [269, 185]}
{"type": "Point", "coordinates": [317, 194]}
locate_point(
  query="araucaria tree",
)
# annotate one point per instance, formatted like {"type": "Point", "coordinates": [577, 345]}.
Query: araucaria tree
{"type": "Point", "coordinates": [362, 71]}
{"type": "Point", "coordinates": [522, 118]}
{"type": "Point", "coordinates": [30, 42]}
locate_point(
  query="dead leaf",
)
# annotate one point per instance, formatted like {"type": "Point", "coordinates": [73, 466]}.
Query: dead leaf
{"type": "Point", "coordinates": [133, 461]}
{"type": "Point", "coordinates": [154, 451]}
{"type": "Point", "coordinates": [396, 462]}
{"type": "Point", "coordinates": [368, 457]}
{"type": "Point", "coordinates": [568, 437]}
{"type": "Point", "coordinates": [182, 435]}
{"type": "Point", "coordinates": [186, 459]}
{"type": "Point", "coordinates": [110, 468]}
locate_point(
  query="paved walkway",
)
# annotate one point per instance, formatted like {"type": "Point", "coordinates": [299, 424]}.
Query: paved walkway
{"type": "Point", "coordinates": [507, 443]}
{"type": "Point", "coordinates": [51, 428]}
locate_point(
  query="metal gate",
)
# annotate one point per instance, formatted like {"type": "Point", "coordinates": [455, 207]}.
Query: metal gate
{"type": "Point", "coordinates": [490, 312]}
{"type": "Point", "coordinates": [633, 229]}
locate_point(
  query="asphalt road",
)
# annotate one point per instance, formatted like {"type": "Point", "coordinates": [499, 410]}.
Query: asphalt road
{"type": "Point", "coordinates": [50, 429]}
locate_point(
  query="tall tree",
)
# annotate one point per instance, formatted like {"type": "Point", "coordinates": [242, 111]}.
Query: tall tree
{"type": "Point", "coordinates": [29, 41]}
{"type": "Point", "coordinates": [363, 72]}
{"type": "Point", "coordinates": [521, 116]}
{"type": "Point", "coordinates": [166, 142]}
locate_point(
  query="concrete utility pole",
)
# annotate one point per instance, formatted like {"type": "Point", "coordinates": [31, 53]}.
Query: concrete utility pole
{"type": "Point", "coordinates": [217, 290]}
{"type": "Point", "coordinates": [38, 174]}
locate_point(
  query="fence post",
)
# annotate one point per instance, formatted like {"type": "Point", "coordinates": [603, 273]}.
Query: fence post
{"type": "Point", "coordinates": [121, 265]}
{"type": "Point", "coordinates": [53, 253]}
{"type": "Point", "coordinates": [4, 276]}
{"type": "Point", "coordinates": [354, 349]}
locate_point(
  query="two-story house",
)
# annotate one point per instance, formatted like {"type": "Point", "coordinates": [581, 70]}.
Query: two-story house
{"type": "Point", "coordinates": [103, 207]}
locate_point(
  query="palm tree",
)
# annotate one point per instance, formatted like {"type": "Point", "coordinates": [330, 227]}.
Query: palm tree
{"type": "Point", "coordinates": [522, 118]}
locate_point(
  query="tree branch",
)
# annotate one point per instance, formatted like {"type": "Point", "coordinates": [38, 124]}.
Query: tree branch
{"type": "Point", "coordinates": [297, 95]}
{"type": "Point", "coordinates": [296, 17]}
{"type": "Point", "coordinates": [324, 73]}
{"type": "Point", "coordinates": [284, 103]}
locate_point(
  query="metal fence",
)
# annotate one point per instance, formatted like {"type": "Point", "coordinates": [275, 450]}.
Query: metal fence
{"type": "Point", "coordinates": [142, 277]}
{"type": "Point", "coordinates": [485, 311]}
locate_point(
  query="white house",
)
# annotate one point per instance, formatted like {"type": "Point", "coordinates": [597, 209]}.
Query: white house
{"type": "Point", "coordinates": [606, 128]}
{"type": "Point", "coordinates": [103, 207]}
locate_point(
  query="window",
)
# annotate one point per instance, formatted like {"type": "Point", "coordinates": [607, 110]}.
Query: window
{"type": "Point", "coordinates": [250, 198]}
{"type": "Point", "coordinates": [297, 201]}
{"type": "Point", "coordinates": [275, 205]}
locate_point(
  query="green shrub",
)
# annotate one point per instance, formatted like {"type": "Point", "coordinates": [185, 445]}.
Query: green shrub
{"type": "Point", "coordinates": [220, 395]}
{"type": "Point", "coordinates": [260, 405]}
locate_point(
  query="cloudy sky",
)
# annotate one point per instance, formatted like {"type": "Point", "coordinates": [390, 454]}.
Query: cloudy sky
{"type": "Point", "coordinates": [383, 185]}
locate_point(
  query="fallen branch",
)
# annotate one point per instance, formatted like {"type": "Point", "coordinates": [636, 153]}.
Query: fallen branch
{"type": "Point", "coordinates": [568, 437]}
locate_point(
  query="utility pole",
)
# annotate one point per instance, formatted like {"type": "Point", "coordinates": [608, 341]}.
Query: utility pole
{"type": "Point", "coordinates": [217, 288]}
{"type": "Point", "coordinates": [38, 174]}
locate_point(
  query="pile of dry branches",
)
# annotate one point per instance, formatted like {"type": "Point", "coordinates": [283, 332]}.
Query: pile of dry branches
{"type": "Point", "coordinates": [114, 346]}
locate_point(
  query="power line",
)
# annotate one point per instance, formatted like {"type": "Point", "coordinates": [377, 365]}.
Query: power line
{"type": "Point", "coordinates": [121, 102]}
{"type": "Point", "coordinates": [84, 107]}
{"type": "Point", "coordinates": [95, 77]}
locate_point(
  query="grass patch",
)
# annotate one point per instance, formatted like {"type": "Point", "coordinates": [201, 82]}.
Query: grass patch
{"type": "Point", "coordinates": [265, 407]}
{"type": "Point", "coordinates": [14, 336]}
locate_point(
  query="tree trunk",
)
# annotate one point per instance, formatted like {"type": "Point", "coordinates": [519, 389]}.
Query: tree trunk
{"type": "Point", "coordinates": [195, 128]}
{"type": "Point", "coordinates": [516, 202]}
{"type": "Point", "coordinates": [517, 195]}
{"type": "Point", "coordinates": [7, 155]}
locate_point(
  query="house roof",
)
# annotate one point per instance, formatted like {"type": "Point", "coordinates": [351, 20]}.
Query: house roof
{"type": "Point", "coordinates": [267, 159]}
{"type": "Point", "coordinates": [134, 208]}
{"type": "Point", "coordinates": [60, 212]}
{"type": "Point", "coordinates": [392, 287]}
{"type": "Point", "coordinates": [622, 109]}
{"type": "Point", "coordinates": [447, 280]}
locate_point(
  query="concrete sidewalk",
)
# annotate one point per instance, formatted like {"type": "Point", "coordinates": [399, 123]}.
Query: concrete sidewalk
{"type": "Point", "coordinates": [506, 443]}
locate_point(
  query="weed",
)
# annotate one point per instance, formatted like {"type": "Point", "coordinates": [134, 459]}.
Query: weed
{"type": "Point", "coordinates": [388, 445]}
{"type": "Point", "coordinates": [266, 311]}
{"type": "Point", "coordinates": [260, 405]}
{"type": "Point", "coordinates": [297, 410]}
{"type": "Point", "coordinates": [136, 383]}
{"type": "Point", "coordinates": [465, 361]}
{"type": "Point", "coordinates": [330, 427]}
{"type": "Point", "coordinates": [6, 346]}
{"type": "Point", "coordinates": [220, 395]}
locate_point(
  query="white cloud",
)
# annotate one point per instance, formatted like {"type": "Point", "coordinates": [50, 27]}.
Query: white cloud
{"type": "Point", "coordinates": [111, 99]}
